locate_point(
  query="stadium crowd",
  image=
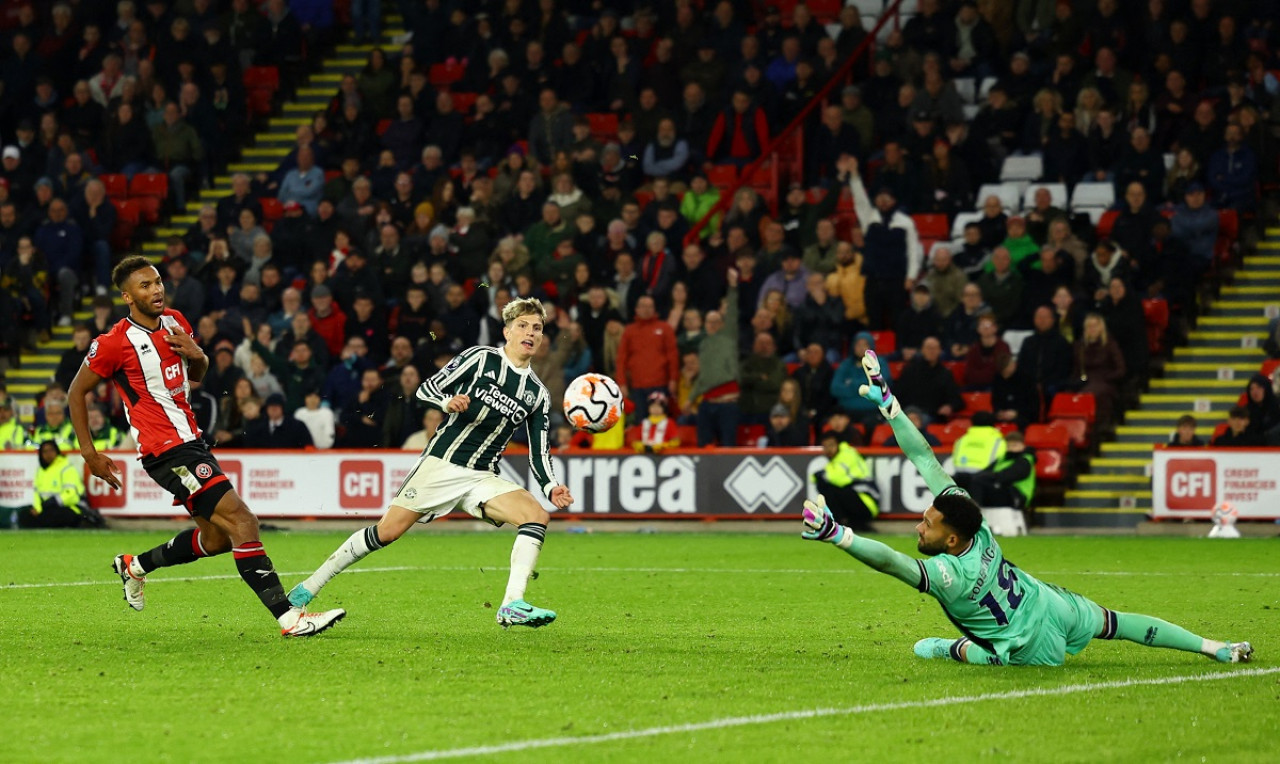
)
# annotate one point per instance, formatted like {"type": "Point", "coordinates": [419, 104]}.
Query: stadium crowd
{"type": "Point", "coordinates": [569, 150]}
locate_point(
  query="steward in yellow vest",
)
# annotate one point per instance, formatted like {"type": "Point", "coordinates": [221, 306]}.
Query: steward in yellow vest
{"type": "Point", "coordinates": [847, 483]}
{"type": "Point", "coordinates": [59, 498]}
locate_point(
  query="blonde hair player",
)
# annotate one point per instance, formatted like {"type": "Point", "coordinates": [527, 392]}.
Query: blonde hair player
{"type": "Point", "coordinates": [486, 393]}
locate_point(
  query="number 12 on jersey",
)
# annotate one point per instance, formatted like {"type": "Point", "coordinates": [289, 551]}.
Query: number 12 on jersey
{"type": "Point", "coordinates": [1007, 579]}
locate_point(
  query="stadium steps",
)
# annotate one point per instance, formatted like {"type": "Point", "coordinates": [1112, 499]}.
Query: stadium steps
{"type": "Point", "coordinates": [1204, 379]}
{"type": "Point", "coordinates": [263, 154]}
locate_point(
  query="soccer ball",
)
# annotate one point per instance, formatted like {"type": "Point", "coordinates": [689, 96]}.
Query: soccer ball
{"type": "Point", "coordinates": [593, 402]}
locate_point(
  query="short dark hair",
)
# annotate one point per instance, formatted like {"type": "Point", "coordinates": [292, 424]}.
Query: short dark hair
{"type": "Point", "coordinates": [960, 512]}
{"type": "Point", "coordinates": [126, 267]}
{"type": "Point", "coordinates": [1238, 412]}
{"type": "Point", "coordinates": [1186, 419]}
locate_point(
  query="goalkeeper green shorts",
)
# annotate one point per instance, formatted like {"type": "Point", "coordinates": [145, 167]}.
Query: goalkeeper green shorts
{"type": "Point", "coordinates": [1069, 622]}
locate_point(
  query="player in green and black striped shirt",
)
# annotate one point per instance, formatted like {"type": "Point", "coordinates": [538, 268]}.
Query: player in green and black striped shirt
{"type": "Point", "coordinates": [486, 393]}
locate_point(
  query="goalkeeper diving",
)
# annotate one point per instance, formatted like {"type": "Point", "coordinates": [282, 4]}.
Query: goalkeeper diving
{"type": "Point", "coordinates": [1007, 616]}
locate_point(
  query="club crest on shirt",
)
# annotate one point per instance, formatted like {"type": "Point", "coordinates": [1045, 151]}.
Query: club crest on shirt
{"type": "Point", "coordinates": [204, 471]}
{"type": "Point", "coordinates": [529, 397]}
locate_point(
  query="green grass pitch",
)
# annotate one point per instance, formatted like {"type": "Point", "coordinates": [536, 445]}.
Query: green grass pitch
{"type": "Point", "coordinates": [670, 647]}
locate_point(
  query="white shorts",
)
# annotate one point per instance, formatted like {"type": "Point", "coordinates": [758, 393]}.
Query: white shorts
{"type": "Point", "coordinates": [436, 487]}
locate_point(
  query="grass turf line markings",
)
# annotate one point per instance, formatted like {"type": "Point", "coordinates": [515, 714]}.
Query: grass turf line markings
{"type": "Point", "coordinates": [737, 571]}
{"type": "Point", "coordinates": [814, 713]}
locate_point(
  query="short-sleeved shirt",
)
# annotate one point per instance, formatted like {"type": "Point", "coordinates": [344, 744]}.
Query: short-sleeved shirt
{"type": "Point", "coordinates": [992, 601]}
{"type": "Point", "coordinates": [152, 380]}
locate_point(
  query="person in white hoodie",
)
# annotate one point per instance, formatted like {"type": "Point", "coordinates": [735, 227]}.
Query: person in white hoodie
{"type": "Point", "coordinates": [318, 419]}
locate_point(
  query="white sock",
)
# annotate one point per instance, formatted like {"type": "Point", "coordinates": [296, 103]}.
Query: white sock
{"type": "Point", "coordinates": [135, 568]}
{"type": "Point", "coordinates": [524, 557]}
{"type": "Point", "coordinates": [1211, 647]}
{"type": "Point", "coordinates": [353, 550]}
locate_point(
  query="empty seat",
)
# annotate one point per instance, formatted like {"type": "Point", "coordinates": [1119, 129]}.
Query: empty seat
{"type": "Point", "coordinates": [152, 184]}
{"type": "Point", "coordinates": [1093, 195]}
{"type": "Point", "coordinates": [1074, 406]}
{"type": "Point", "coordinates": [931, 226]}
{"type": "Point", "coordinates": [882, 433]}
{"type": "Point", "coordinates": [1156, 312]}
{"type": "Point", "coordinates": [443, 75]}
{"type": "Point", "coordinates": [604, 125]}
{"type": "Point", "coordinates": [975, 402]}
{"type": "Point", "coordinates": [886, 342]}
{"type": "Point", "coordinates": [967, 89]}
{"type": "Point", "coordinates": [963, 219]}
{"type": "Point", "coordinates": [117, 185]}
{"type": "Point", "coordinates": [1029, 167]}
{"type": "Point", "coordinates": [1014, 338]}
{"type": "Point", "coordinates": [1077, 430]}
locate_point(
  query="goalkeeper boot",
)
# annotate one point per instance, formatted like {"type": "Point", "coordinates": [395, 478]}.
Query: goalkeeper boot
{"type": "Point", "coordinates": [134, 585]}
{"type": "Point", "coordinates": [934, 647]}
{"type": "Point", "coordinates": [521, 613]}
{"type": "Point", "coordinates": [301, 596]}
{"type": "Point", "coordinates": [1235, 652]}
{"type": "Point", "coordinates": [310, 624]}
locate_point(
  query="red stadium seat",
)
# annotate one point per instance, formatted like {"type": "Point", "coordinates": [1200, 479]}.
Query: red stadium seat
{"type": "Point", "coordinates": [462, 101]}
{"type": "Point", "coordinates": [688, 435]}
{"type": "Point", "coordinates": [886, 342]}
{"type": "Point", "coordinates": [1077, 430]}
{"type": "Point", "coordinates": [127, 211]}
{"type": "Point", "coordinates": [272, 209]}
{"type": "Point", "coordinates": [1219, 430]}
{"type": "Point", "coordinates": [149, 207]}
{"type": "Point", "coordinates": [643, 198]}
{"type": "Point", "coordinates": [1269, 366]}
{"type": "Point", "coordinates": [604, 125]}
{"type": "Point", "coordinates": [1005, 427]}
{"type": "Point", "coordinates": [265, 77]}
{"type": "Point", "coordinates": [1157, 315]}
{"type": "Point", "coordinates": [383, 124]}
{"type": "Point", "coordinates": [881, 434]}
{"type": "Point", "coordinates": [1107, 222]}
{"type": "Point", "coordinates": [260, 102]}
{"type": "Point", "coordinates": [895, 369]}
{"type": "Point", "coordinates": [1228, 225]}
{"type": "Point", "coordinates": [1074, 406]}
{"type": "Point", "coordinates": [957, 370]}
{"type": "Point", "coordinates": [630, 435]}
{"type": "Point", "coordinates": [975, 402]}
{"type": "Point", "coordinates": [950, 432]}
{"type": "Point", "coordinates": [1052, 445]}
{"type": "Point", "coordinates": [935, 227]}
{"type": "Point", "coordinates": [722, 175]}
{"type": "Point", "coordinates": [443, 75]}
{"type": "Point", "coordinates": [149, 184]}
{"type": "Point", "coordinates": [750, 434]}
{"type": "Point", "coordinates": [117, 186]}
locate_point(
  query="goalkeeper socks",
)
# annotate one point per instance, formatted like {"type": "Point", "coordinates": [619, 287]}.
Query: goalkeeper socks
{"type": "Point", "coordinates": [179, 550]}
{"type": "Point", "coordinates": [353, 550]}
{"type": "Point", "coordinates": [524, 556]}
{"type": "Point", "coordinates": [1154, 632]}
{"type": "Point", "coordinates": [257, 571]}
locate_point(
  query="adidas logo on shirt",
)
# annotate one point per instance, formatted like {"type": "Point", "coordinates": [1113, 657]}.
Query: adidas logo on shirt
{"type": "Point", "coordinates": [490, 375]}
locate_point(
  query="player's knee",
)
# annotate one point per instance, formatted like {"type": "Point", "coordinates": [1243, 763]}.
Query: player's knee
{"type": "Point", "coordinates": [214, 542]}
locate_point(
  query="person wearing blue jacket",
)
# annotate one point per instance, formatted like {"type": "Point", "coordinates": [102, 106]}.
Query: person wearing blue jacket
{"type": "Point", "coordinates": [849, 377]}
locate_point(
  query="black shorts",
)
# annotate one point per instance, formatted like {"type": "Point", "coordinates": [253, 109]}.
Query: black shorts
{"type": "Point", "coordinates": [192, 475]}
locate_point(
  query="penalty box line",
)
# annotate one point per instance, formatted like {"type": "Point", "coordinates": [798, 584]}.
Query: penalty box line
{"type": "Point", "coordinates": [815, 713]}
{"type": "Point", "coordinates": [604, 569]}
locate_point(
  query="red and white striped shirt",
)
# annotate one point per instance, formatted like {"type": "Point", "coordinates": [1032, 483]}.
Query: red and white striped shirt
{"type": "Point", "coordinates": [152, 380]}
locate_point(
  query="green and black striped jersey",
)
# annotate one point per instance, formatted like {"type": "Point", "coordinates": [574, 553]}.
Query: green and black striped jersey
{"type": "Point", "coordinates": [503, 397]}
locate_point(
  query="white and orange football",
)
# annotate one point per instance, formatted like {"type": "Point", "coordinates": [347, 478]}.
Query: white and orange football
{"type": "Point", "coordinates": [593, 402]}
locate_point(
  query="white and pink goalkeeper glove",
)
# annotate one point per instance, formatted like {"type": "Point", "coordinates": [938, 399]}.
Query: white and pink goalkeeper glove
{"type": "Point", "coordinates": [820, 524]}
{"type": "Point", "coordinates": [878, 391]}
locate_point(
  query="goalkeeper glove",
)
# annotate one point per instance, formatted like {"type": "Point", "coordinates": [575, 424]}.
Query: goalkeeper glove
{"type": "Point", "coordinates": [820, 524]}
{"type": "Point", "coordinates": [878, 391]}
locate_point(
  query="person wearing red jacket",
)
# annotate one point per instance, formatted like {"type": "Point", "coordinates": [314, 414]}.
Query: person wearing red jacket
{"type": "Point", "coordinates": [739, 133]}
{"type": "Point", "coordinates": [647, 357]}
{"type": "Point", "coordinates": [327, 319]}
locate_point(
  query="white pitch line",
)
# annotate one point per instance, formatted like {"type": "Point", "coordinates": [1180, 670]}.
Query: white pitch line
{"type": "Point", "coordinates": [855, 570]}
{"type": "Point", "coordinates": [815, 713]}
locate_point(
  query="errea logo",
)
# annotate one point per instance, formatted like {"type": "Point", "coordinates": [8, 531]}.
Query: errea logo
{"type": "Point", "coordinates": [772, 484]}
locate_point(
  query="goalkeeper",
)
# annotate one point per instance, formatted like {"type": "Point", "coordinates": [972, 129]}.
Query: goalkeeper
{"type": "Point", "coordinates": [1007, 616]}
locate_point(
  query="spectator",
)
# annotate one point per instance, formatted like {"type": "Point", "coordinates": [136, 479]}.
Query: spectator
{"type": "Point", "coordinates": [432, 418]}
{"type": "Point", "coordinates": [1233, 172]}
{"type": "Point", "coordinates": [667, 154]}
{"type": "Point", "coordinates": [73, 357]}
{"type": "Point", "coordinates": [61, 242]}
{"type": "Point", "coordinates": [762, 374]}
{"type": "Point", "coordinates": [657, 429]}
{"type": "Point", "coordinates": [647, 359]}
{"type": "Point", "coordinates": [1195, 225]}
{"type": "Point", "coordinates": [1132, 228]}
{"type": "Point", "coordinates": [1238, 433]}
{"type": "Point", "coordinates": [57, 427]}
{"type": "Point", "coordinates": [1013, 395]}
{"type": "Point", "coordinates": [1043, 277]}
{"type": "Point", "coordinates": [920, 319]}
{"type": "Point", "coordinates": [981, 446]}
{"type": "Point", "coordinates": [928, 385]}
{"type": "Point", "coordinates": [552, 129]}
{"type": "Point", "coordinates": [1185, 434]}
{"type": "Point", "coordinates": [820, 318]}
{"type": "Point", "coordinates": [1106, 263]}
{"type": "Point", "coordinates": [1142, 164]}
{"type": "Point", "coordinates": [179, 150]}
{"type": "Point", "coordinates": [1099, 365]}
{"type": "Point", "coordinates": [277, 429]}
{"type": "Point", "coordinates": [849, 376]}
{"type": "Point", "coordinates": [814, 380]}
{"type": "Point", "coordinates": [717, 383]}
{"type": "Point", "coordinates": [1122, 310]}
{"type": "Point", "coordinates": [1263, 408]}
{"type": "Point", "coordinates": [96, 216]}
{"type": "Point", "coordinates": [791, 279]}
{"type": "Point", "coordinates": [1002, 287]}
{"type": "Point", "coordinates": [303, 184]}
{"type": "Point", "coordinates": [739, 132]}
{"type": "Point", "coordinates": [698, 201]}
{"type": "Point", "coordinates": [783, 431]}
{"type": "Point", "coordinates": [944, 280]}
{"type": "Point", "coordinates": [830, 140]}
{"type": "Point", "coordinates": [986, 356]}
{"type": "Point", "coordinates": [893, 249]}
{"type": "Point", "coordinates": [847, 483]}
{"type": "Point", "coordinates": [404, 409]}
{"type": "Point", "coordinates": [1018, 242]}
{"type": "Point", "coordinates": [363, 418]}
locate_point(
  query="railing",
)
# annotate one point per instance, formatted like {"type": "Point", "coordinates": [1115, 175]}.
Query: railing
{"type": "Point", "coordinates": [889, 14]}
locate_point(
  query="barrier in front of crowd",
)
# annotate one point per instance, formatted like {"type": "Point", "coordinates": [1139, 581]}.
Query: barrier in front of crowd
{"type": "Point", "coordinates": [687, 484]}
{"type": "Point", "coordinates": [1191, 482]}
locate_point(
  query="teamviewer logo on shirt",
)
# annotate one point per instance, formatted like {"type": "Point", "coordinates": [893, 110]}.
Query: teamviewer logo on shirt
{"type": "Point", "coordinates": [1192, 484]}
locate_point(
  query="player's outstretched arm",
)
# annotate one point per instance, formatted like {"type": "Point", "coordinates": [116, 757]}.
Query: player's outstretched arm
{"type": "Point", "coordinates": [99, 464]}
{"type": "Point", "coordinates": [821, 525]}
{"type": "Point", "coordinates": [909, 438]}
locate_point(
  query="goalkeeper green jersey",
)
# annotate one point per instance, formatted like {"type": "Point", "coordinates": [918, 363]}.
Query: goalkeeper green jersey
{"type": "Point", "coordinates": [990, 600]}
{"type": "Point", "coordinates": [503, 398]}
